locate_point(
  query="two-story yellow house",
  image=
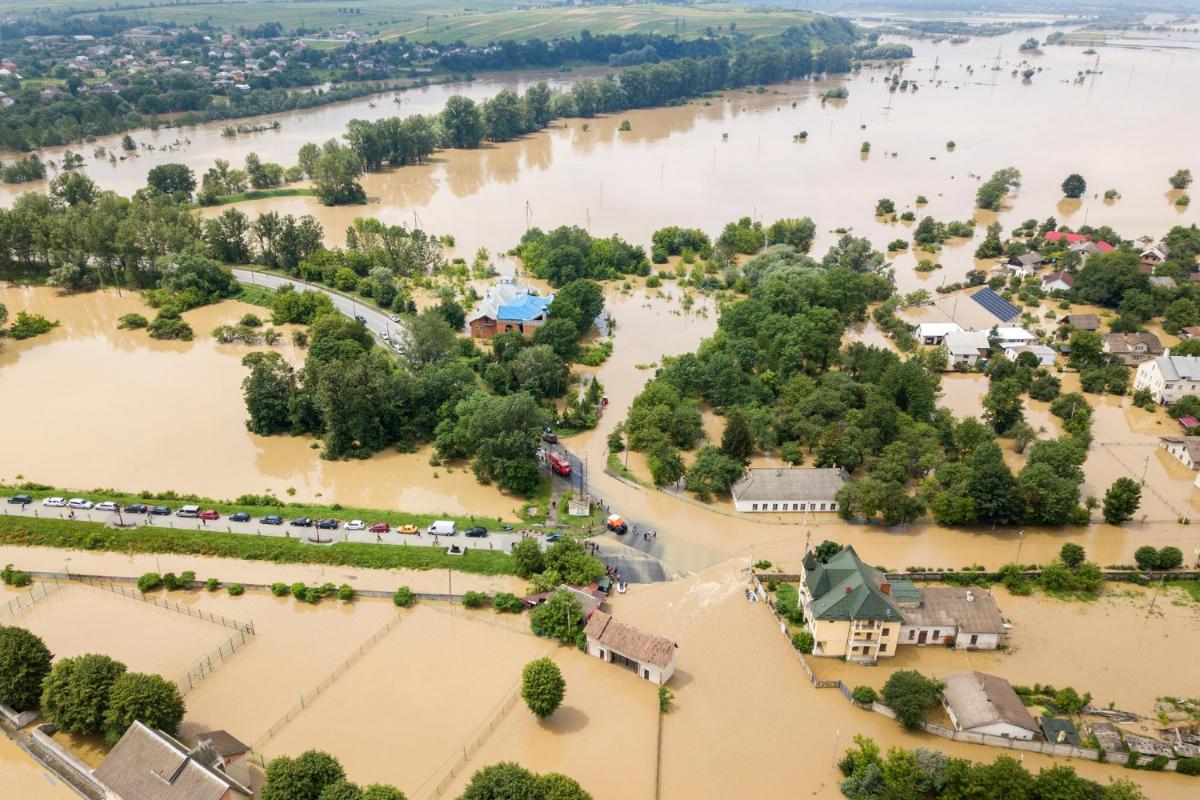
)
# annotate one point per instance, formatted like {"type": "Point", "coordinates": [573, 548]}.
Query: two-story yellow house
{"type": "Point", "coordinates": [850, 608]}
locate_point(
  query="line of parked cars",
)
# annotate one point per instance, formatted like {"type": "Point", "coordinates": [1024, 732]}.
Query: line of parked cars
{"type": "Point", "coordinates": [438, 528]}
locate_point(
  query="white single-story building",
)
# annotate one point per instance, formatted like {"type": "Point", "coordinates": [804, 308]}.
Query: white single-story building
{"type": "Point", "coordinates": [1057, 281]}
{"type": "Point", "coordinates": [651, 657]}
{"type": "Point", "coordinates": [966, 618]}
{"type": "Point", "coordinates": [1186, 449]}
{"type": "Point", "coordinates": [1168, 378]}
{"type": "Point", "coordinates": [1156, 254]}
{"type": "Point", "coordinates": [967, 347]}
{"type": "Point", "coordinates": [935, 332]}
{"type": "Point", "coordinates": [1045, 355]}
{"type": "Point", "coordinates": [982, 703]}
{"type": "Point", "coordinates": [790, 489]}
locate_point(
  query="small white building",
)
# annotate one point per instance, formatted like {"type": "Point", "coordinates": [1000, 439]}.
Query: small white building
{"type": "Point", "coordinates": [1057, 281]}
{"type": "Point", "coordinates": [967, 347]}
{"type": "Point", "coordinates": [791, 489]}
{"type": "Point", "coordinates": [1156, 254]}
{"type": "Point", "coordinates": [934, 333]}
{"type": "Point", "coordinates": [949, 615]}
{"type": "Point", "coordinates": [1045, 355]}
{"type": "Point", "coordinates": [1168, 378]}
{"type": "Point", "coordinates": [651, 657]}
{"type": "Point", "coordinates": [1186, 449]}
{"type": "Point", "coordinates": [982, 703]}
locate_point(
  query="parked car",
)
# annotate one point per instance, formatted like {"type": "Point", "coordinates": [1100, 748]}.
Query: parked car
{"type": "Point", "coordinates": [161, 511]}
{"type": "Point", "coordinates": [549, 436]}
{"type": "Point", "coordinates": [476, 532]}
{"type": "Point", "coordinates": [328, 524]}
{"type": "Point", "coordinates": [209, 513]}
{"type": "Point", "coordinates": [361, 318]}
{"type": "Point", "coordinates": [79, 503]}
{"type": "Point", "coordinates": [302, 522]}
{"type": "Point", "coordinates": [441, 527]}
{"type": "Point", "coordinates": [107, 505]}
{"type": "Point", "coordinates": [272, 519]}
{"type": "Point", "coordinates": [380, 527]}
{"type": "Point", "coordinates": [554, 537]}
{"type": "Point", "coordinates": [356, 525]}
{"type": "Point", "coordinates": [384, 335]}
{"type": "Point", "coordinates": [190, 512]}
{"type": "Point", "coordinates": [136, 508]}
{"type": "Point", "coordinates": [20, 499]}
{"type": "Point", "coordinates": [239, 516]}
{"type": "Point", "coordinates": [394, 317]}
{"type": "Point", "coordinates": [54, 502]}
{"type": "Point", "coordinates": [410, 528]}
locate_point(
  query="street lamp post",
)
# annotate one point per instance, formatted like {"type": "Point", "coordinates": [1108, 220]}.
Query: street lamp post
{"type": "Point", "coordinates": [1020, 541]}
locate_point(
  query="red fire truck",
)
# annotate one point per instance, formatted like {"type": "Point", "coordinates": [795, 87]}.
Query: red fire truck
{"type": "Point", "coordinates": [560, 466]}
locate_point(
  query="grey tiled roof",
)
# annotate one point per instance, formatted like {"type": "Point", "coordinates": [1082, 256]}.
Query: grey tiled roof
{"type": "Point", "coordinates": [796, 483]}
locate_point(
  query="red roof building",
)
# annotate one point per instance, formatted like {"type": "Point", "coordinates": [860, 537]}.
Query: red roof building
{"type": "Point", "coordinates": [1069, 238]}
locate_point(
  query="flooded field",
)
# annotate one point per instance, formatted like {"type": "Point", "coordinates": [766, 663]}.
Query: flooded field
{"type": "Point", "coordinates": [120, 627]}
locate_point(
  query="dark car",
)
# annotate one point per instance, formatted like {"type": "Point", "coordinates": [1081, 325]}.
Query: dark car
{"type": "Point", "coordinates": [20, 499]}
{"type": "Point", "coordinates": [272, 519]}
{"type": "Point", "coordinates": [301, 522]}
{"type": "Point", "coordinates": [161, 511]}
{"type": "Point", "coordinates": [554, 537]}
{"type": "Point", "coordinates": [328, 524]}
{"type": "Point", "coordinates": [476, 532]}
{"type": "Point", "coordinates": [136, 508]}
{"type": "Point", "coordinates": [239, 516]}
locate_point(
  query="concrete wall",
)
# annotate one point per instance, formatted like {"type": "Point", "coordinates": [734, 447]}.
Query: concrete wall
{"type": "Point", "coordinates": [790, 505]}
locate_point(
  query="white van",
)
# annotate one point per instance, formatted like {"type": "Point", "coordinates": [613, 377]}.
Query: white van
{"type": "Point", "coordinates": [188, 511]}
{"type": "Point", "coordinates": [441, 527]}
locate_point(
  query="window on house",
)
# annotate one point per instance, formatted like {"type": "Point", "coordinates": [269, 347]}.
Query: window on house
{"type": "Point", "coordinates": [775, 506]}
{"type": "Point", "coordinates": [795, 506]}
{"type": "Point", "coordinates": [974, 638]}
{"type": "Point", "coordinates": [883, 648]}
{"type": "Point", "coordinates": [885, 632]}
{"type": "Point", "coordinates": [935, 633]}
{"type": "Point", "coordinates": [754, 507]}
{"type": "Point", "coordinates": [912, 635]}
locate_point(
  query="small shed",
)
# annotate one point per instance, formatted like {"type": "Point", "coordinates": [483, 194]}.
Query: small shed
{"type": "Point", "coordinates": [652, 657]}
{"type": "Point", "coordinates": [1059, 731]}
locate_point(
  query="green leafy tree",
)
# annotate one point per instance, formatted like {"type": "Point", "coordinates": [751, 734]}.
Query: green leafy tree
{"type": "Point", "coordinates": [149, 699]}
{"type": "Point", "coordinates": [1121, 501]}
{"type": "Point", "coordinates": [382, 791]}
{"type": "Point", "coordinates": [341, 790]}
{"type": "Point", "coordinates": [1074, 186]}
{"type": "Point", "coordinates": [713, 472]}
{"type": "Point", "coordinates": [527, 556]}
{"type": "Point", "coordinates": [270, 393]}
{"type": "Point", "coordinates": [1182, 179]}
{"type": "Point", "coordinates": [503, 781]}
{"type": "Point", "coordinates": [75, 695]}
{"type": "Point", "coordinates": [555, 786]}
{"type": "Point", "coordinates": [462, 123]}
{"type": "Point", "coordinates": [335, 175]}
{"type": "Point", "coordinates": [301, 778]}
{"type": "Point", "coordinates": [910, 694]}
{"type": "Point", "coordinates": [1003, 405]}
{"type": "Point", "coordinates": [174, 180]}
{"type": "Point", "coordinates": [736, 441]}
{"type": "Point", "coordinates": [24, 664]}
{"type": "Point", "coordinates": [542, 687]}
{"type": "Point", "coordinates": [558, 618]}
{"type": "Point", "coordinates": [1072, 554]}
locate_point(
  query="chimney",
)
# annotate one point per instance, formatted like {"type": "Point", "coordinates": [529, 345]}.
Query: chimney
{"type": "Point", "coordinates": [848, 590]}
{"type": "Point", "coordinates": [885, 587]}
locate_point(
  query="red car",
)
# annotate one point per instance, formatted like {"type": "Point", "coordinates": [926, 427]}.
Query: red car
{"type": "Point", "coordinates": [209, 514]}
{"type": "Point", "coordinates": [380, 527]}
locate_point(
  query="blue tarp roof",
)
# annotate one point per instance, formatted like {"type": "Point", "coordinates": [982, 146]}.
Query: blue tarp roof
{"type": "Point", "coordinates": [997, 305]}
{"type": "Point", "coordinates": [527, 308]}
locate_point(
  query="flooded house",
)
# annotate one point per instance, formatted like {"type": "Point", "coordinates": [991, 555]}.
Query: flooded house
{"type": "Point", "coordinates": [980, 703]}
{"type": "Point", "coordinates": [856, 612]}
{"type": "Point", "coordinates": [1080, 322]}
{"type": "Point", "coordinates": [1155, 254]}
{"type": "Point", "coordinates": [1057, 281]}
{"type": "Point", "coordinates": [1025, 264]}
{"type": "Point", "coordinates": [1045, 355]}
{"type": "Point", "coordinates": [1185, 449]}
{"type": "Point", "coordinates": [651, 656]}
{"type": "Point", "coordinates": [1132, 348]}
{"type": "Point", "coordinates": [150, 765]}
{"type": "Point", "coordinates": [790, 489]}
{"type": "Point", "coordinates": [1168, 378]}
{"type": "Point", "coordinates": [509, 307]}
{"type": "Point", "coordinates": [934, 333]}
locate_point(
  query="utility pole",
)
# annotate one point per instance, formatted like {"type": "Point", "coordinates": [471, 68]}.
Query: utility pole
{"type": "Point", "coordinates": [1020, 541]}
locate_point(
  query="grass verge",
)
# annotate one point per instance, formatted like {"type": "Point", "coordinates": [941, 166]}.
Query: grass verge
{"type": "Point", "coordinates": [261, 194]}
{"type": "Point", "coordinates": [96, 536]}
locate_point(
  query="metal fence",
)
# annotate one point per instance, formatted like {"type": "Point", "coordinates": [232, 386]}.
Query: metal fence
{"type": "Point", "coordinates": [134, 594]}
{"type": "Point", "coordinates": [313, 694]}
{"type": "Point", "coordinates": [453, 765]}
{"type": "Point", "coordinates": [23, 602]}
{"type": "Point", "coordinates": [207, 664]}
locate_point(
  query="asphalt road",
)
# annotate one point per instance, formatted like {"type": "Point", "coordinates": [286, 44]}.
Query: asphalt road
{"type": "Point", "coordinates": [376, 321]}
{"type": "Point", "coordinates": [495, 540]}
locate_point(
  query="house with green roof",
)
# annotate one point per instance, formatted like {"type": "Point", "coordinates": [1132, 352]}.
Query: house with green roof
{"type": "Point", "coordinates": [853, 611]}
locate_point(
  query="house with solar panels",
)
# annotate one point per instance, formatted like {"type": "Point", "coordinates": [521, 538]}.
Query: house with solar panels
{"type": "Point", "coordinates": [509, 307]}
{"type": "Point", "coordinates": [996, 305]}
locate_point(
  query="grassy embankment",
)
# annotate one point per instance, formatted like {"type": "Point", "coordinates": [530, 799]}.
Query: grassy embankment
{"type": "Point", "coordinates": [262, 194]}
{"type": "Point", "coordinates": [78, 535]}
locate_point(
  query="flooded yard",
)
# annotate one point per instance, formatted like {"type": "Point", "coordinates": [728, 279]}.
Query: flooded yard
{"type": "Point", "coordinates": [21, 776]}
